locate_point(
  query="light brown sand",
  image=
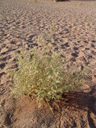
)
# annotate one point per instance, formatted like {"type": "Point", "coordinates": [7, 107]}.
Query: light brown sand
{"type": "Point", "coordinates": [22, 21]}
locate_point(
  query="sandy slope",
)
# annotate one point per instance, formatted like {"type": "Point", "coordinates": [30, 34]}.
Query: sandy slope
{"type": "Point", "coordinates": [21, 21]}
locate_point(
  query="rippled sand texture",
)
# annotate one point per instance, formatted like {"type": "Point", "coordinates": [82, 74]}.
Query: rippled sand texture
{"type": "Point", "coordinates": [22, 21]}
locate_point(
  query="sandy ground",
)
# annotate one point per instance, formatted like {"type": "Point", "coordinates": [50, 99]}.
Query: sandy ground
{"type": "Point", "coordinates": [21, 21]}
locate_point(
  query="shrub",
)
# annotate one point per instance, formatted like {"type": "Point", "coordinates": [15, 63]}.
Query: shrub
{"type": "Point", "coordinates": [35, 1]}
{"type": "Point", "coordinates": [41, 74]}
{"type": "Point", "coordinates": [60, 0]}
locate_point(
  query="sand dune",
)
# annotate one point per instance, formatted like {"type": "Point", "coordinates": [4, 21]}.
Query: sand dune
{"type": "Point", "coordinates": [21, 22]}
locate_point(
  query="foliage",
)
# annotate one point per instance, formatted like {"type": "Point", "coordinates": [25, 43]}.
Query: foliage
{"type": "Point", "coordinates": [41, 73]}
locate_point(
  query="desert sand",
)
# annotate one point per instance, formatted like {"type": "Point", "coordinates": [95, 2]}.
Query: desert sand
{"type": "Point", "coordinates": [21, 22]}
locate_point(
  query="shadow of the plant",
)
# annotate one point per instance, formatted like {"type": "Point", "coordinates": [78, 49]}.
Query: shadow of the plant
{"type": "Point", "coordinates": [79, 100]}
{"type": "Point", "coordinates": [72, 101]}
{"type": "Point", "coordinates": [76, 101]}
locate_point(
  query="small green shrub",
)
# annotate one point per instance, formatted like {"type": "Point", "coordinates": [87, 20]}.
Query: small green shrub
{"type": "Point", "coordinates": [41, 74]}
{"type": "Point", "coordinates": [35, 1]}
